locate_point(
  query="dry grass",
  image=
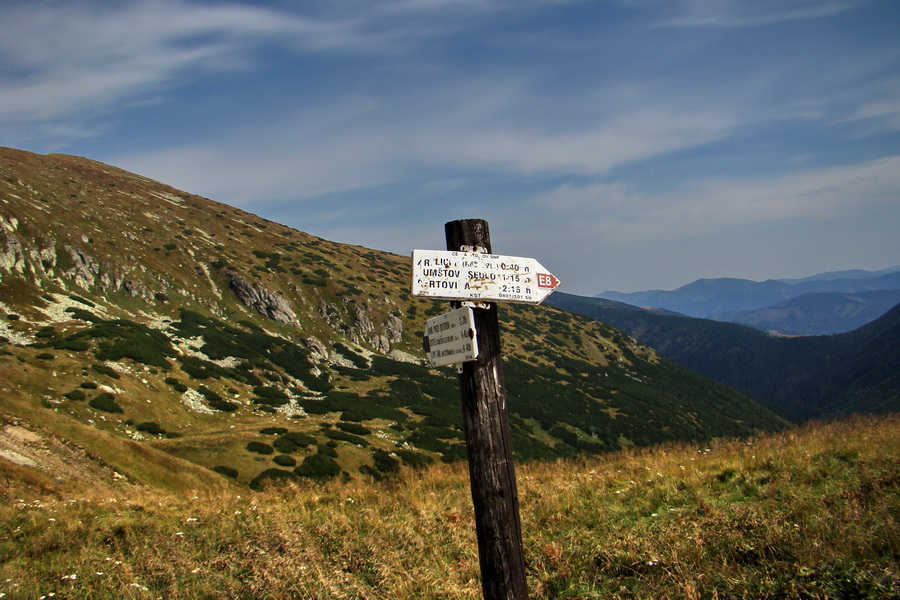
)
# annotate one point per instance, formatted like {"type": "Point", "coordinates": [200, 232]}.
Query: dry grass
{"type": "Point", "coordinates": [810, 513]}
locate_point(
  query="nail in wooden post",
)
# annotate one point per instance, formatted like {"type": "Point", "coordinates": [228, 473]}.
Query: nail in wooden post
{"type": "Point", "coordinates": [491, 470]}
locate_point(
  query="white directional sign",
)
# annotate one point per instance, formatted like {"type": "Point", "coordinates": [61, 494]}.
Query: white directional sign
{"type": "Point", "coordinates": [447, 275]}
{"type": "Point", "coordinates": [450, 338]}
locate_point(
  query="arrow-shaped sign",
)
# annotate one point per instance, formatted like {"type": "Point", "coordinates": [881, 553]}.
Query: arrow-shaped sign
{"type": "Point", "coordinates": [448, 275]}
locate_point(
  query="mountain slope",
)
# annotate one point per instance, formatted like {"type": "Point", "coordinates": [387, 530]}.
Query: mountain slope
{"type": "Point", "coordinates": [233, 343]}
{"type": "Point", "coordinates": [805, 377]}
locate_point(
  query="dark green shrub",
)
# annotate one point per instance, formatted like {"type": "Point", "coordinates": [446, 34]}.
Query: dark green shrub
{"type": "Point", "coordinates": [83, 315]}
{"type": "Point", "coordinates": [301, 439]}
{"type": "Point", "coordinates": [454, 453]}
{"type": "Point", "coordinates": [358, 361]}
{"type": "Point", "coordinates": [354, 428]}
{"type": "Point", "coordinates": [328, 449]}
{"type": "Point", "coordinates": [315, 384]}
{"type": "Point", "coordinates": [351, 373]}
{"type": "Point", "coordinates": [197, 368]}
{"type": "Point", "coordinates": [271, 477]}
{"type": "Point", "coordinates": [45, 356]}
{"type": "Point", "coordinates": [127, 339]}
{"type": "Point", "coordinates": [46, 332]}
{"type": "Point", "coordinates": [427, 442]}
{"type": "Point", "coordinates": [267, 394]}
{"type": "Point", "coordinates": [268, 391]}
{"type": "Point", "coordinates": [70, 344]}
{"type": "Point", "coordinates": [105, 402]}
{"type": "Point", "coordinates": [355, 416]}
{"type": "Point", "coordinates": [209, 394]}
{"type": "Point", "coordinates": [88, 385]}
{"type": "Point", "coordinates": [270, 402]}
{"type": "Point", "coordinates": [347, 437]}
{"type": "Point", "coordinates": [150, 427]}
{"type": "Point", "coordinates": [226, 471]}
{"type": "Point", "coordinates": [260, 448]}
{"type": "Point", "coordinates": [317, 281]}
{"type": "Point", "coordinates": [104, 370]}
{"type": "Point", "coordinates": [224, 405]}
{"type": "Point", "coordinates": [273, 430]}
{"type": "Point", "coordinates": [285, 445]}
{"type": "Point", "coordinates": [291, 442]}
{"type": "Point", "coordinates": [385, 463]}
{"type": "Point", "coordinates": [75, 395]}
{"type": "Point", "coordinates": [318, 466]}
{"type": "Point", "coordinates": [413, 458]}
{"type": "Point", "coordinates": [374, 409]}
{"type": "Point", "coordinates": [315, 407]}
{"type": "Point", "coordinates": [179, 387]}
{"type": "Point", "coordinates": [283, 460]}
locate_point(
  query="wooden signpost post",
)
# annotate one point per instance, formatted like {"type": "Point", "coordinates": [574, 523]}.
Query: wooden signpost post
{"type": "Point", "coordinates": [474, 269]}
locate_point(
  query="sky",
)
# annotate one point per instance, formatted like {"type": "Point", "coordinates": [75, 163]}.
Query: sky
{"type": "Point", "coordinates": [625, 144]}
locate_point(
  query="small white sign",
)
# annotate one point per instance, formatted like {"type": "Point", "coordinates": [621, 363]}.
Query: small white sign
{"type": "Point", "coordinates": [448, 275]}
{"type": "Point", "coordinates": [450, 338]}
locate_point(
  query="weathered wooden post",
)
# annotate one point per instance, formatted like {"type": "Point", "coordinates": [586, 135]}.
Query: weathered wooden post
{"type": "Point", "coordinates": [469, 274]}
{"type": "Point", "coordinates": [491, 470]}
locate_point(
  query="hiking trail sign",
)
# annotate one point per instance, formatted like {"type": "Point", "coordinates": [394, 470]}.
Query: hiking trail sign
{"type": "Point", "coordinates": [479, 276]}
{"type": "Point", "coordinates": [450, 338]}
{"type": "Point", "coordinates": [474, 279]}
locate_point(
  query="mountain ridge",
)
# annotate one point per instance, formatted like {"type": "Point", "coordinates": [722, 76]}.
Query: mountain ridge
{"type": "Point", "coordinates": [735, 300]}
{"type": "Point", "coordinates": [256, 352]}
{"type": "Point", "coordinates": [817, 313]}
{"type": "Point", "coordinates": [808, 377]}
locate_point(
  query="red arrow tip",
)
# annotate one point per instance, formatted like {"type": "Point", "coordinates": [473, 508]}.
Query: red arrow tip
{"type": "Point", "coordinates": [546, 280]}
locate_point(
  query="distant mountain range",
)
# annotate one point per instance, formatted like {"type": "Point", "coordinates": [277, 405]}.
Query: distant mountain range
{"type": "Point", "coordinates": [826, 303]}
{"type": "Point", "coordinates": [799, 377]}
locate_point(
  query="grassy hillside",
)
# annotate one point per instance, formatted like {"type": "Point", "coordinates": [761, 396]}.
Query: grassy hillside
{"type": "Point", "coordinates": [194, 331]}
{"type": "Point", "coordinates": [807, 513]}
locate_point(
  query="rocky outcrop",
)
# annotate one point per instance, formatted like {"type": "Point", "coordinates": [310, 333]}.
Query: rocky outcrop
{"type": "Point", "coordinates": [318, 349]}
{"type": "Point", "coordinates": [11, 255]}
{"type": "Point", "coordinates": [86, 270]}
{"type": "Point", "coordinates": [262, 300]}
{"type": "Point", "coordinates": [393, 328]}
{"type": "Point", "coordinates": [83, 270]}
{"type": "Point", "coordinates": [365, 330]}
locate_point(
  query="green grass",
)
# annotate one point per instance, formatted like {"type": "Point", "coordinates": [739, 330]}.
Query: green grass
{"type": "Point", "coordinates": [807, 513]}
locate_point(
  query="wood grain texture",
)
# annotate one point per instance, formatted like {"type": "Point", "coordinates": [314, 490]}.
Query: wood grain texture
{"type": "Point", "coordinates": [491, 469]}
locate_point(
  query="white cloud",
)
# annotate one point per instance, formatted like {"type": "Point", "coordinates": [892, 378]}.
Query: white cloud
{"type": "Point", "coordinates": [613, 140]}
{"type": "Point", "coordinates": [80, 58]}
{"type": "Point", "coordinates": [367, 141]}
{"type": "Point", "coordinates": [620, 215]}
{"type": "Point", "coordinates": [740, 13]}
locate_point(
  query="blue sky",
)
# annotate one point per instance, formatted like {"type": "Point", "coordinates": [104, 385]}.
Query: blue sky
{"type": "Point", "coordinates": [625, 144]}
